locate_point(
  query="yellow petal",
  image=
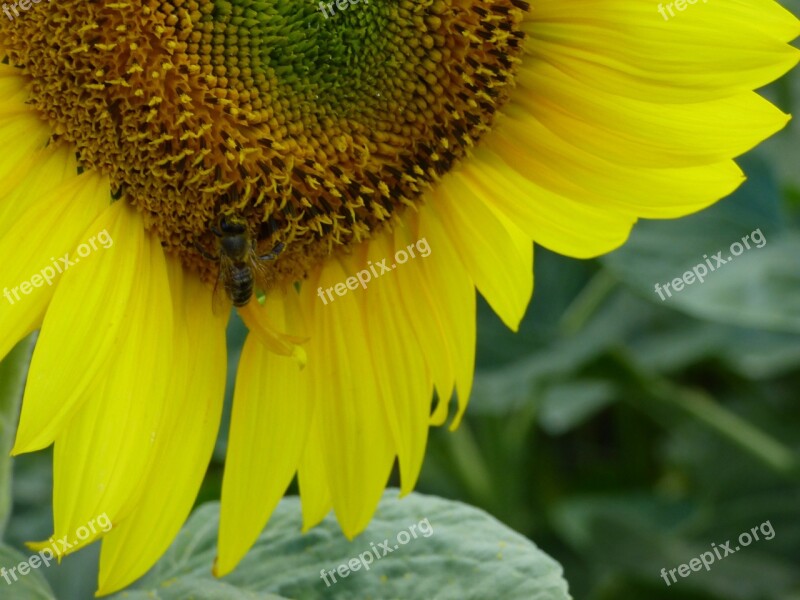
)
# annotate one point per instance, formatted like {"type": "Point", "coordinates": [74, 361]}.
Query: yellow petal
{"type": "Point", "coordinates": [452, 286]}
{"type": "Point", "coordinates": [192, 410]}
{"type": "Point", "coordinates": [270, 420]}
{"type": "Point", "coordinates": [259, 322]}
{"type": "Point", "coordinates": [103, 457]}
{"type": "Point", "coordinates": [594, 181]}
{"type": "Point", "coordinates": [638, 133]}
{"type": "Point", "coordinates": [426, 318]}
{"type": "Point", "coordinates": [554, 220]}
{"type": "Point", "coordinates": [498, 259]}
{"type": "Point", "coordinates": [357, 446]}
{"type": "Point", "coordinates": [43, 172]}
{"type": "Point", "coordinates": [624, 46]}
{"type": "Point", "coordinates": [82, 327]}
{"type": "Point", "coordinates": [50, 227]}
{"type": "Point", "coordinates": [312, 479]}
{"type": "Point", "coordinates": [22, 134]}
{"type": "Point", "coordinates": [13, 88]}
{"type": "Point", "coordinates": [404, 384]}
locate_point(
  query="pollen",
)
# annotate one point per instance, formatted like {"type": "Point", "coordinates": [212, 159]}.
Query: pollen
{"type": "Point", "coordinates": [318, 131]}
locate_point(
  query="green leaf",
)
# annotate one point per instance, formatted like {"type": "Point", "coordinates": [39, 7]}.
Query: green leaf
{"type": "Point", "coordinates": [12, 379]}
{"type": "Point", "coordinates": [436, 549]}
{"type": "Point", "coordinates": [197, 589]}
{"type": "Point", "coordinates": [31, 586]}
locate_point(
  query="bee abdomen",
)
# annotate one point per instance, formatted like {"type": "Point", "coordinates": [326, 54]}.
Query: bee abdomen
{"type": "Point", "coordinates": [241, 285]}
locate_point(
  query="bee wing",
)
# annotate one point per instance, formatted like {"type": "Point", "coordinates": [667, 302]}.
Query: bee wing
{"type": "Point", "coordinates": [261, 271]}
{"type": "Point", "coordinates": [221, 301]}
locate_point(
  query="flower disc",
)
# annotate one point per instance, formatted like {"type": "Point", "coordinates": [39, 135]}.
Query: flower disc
{"type": "Point", "coordinates": [315, 127]}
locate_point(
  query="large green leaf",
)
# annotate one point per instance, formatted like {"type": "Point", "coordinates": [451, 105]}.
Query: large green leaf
{"type": "Point", "coordinates": [14, 586]}
{"type": "Point", "coordinates": [12, 377]}
{"type": "Point", "coordinates": [459, 552]}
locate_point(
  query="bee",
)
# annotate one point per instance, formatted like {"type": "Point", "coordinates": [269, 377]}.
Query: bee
{"type": "Point", "coordinates": [241, 268]}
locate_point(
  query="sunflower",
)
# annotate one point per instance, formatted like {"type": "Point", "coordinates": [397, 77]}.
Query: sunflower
{"type": "Point", "coordinates": [453, 134]}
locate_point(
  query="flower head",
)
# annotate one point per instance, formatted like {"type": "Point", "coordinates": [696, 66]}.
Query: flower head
{"type": "Point", "coordinates": [389, 160]}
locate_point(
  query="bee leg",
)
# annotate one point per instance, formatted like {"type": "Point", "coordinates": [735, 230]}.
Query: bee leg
{"type": "Point", "coordinates": [216, 231]}
{"type": "Point", "coordinates": [205, 254]}
{"type": "Point", "coordinates": [274, 253]}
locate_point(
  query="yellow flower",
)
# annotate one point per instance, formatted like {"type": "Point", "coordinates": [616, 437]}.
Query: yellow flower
{"type": "Point", "coordinates": [396, 156]}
